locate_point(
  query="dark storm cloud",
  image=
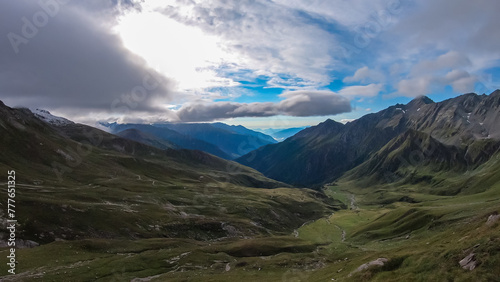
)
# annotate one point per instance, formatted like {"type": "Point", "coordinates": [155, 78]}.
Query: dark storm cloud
{"type": "Point", "coordinates": [296, 103]}
{"type": "Point", "coordinates": [56, 55]}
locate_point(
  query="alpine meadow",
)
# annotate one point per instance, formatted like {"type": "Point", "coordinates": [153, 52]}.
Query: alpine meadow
{"type": "Point", "coordinates": [254, 140]}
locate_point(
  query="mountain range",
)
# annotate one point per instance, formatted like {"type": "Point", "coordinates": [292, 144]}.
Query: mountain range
{"type": "Point", "coordinates": [462, 132]}
{"type": "Point", "coordinates": [219, 139]}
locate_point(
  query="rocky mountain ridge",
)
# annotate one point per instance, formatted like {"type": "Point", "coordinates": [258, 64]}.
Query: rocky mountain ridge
{"type": "Point", "coordinates": [323, 153]}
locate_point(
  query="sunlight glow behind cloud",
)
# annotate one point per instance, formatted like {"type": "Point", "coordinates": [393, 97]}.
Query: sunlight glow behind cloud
{"type": "Point", "coordinates": [182, 53]}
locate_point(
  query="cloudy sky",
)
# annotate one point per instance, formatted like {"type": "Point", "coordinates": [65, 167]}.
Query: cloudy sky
{"type": "Point", "coordinates": [260, 63]}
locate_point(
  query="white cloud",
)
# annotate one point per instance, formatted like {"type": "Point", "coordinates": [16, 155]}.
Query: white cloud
{"type": "Point", "coordinates": [450, 60]}
{"type": "Point", "coordinates": [265, 37]}
{"type": "Point", "coordinates": [434, 74]}
{"type": "Point", "coordinates": [183, 53]}
{"type": "Point", "coordinates": [460, 80]}
{"type": "Point", "coordinates": [365, 75]}
{"type": "Point", "coordinates": [468, 35]}
{"type": "Point", "coordinates": [370, 90]}
{"type": "Point", "coordinates": [414, 87]}
{"type": "Point", "coordinates": [348, 13]}
{"type": "Point", "coordinates": [469, 27]}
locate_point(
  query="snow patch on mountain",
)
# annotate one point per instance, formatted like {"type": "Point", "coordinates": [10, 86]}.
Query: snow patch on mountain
{"type": "Point", "coordinates": [47, 117]}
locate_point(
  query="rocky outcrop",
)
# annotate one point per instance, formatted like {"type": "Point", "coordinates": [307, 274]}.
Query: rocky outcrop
{"type": "Point", "coordinates": [469, 262]}
{"type": "Point", "coordinates": [492, 219]}
{"type": "Point", "coordinates": [365, 266]}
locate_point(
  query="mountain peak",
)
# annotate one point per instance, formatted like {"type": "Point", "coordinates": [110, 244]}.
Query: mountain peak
{"type": "Point", "coordinates": [330, 122]}
{"type": "Point", "coordinates": [494, 93]}
{"type": "Point", "coordinates": [421, 100]}
{"type": "Point", "coordinates": [47, 117]}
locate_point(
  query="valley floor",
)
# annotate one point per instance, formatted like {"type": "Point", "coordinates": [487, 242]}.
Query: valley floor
{"type": "Point", "coordinates": [422, 236]}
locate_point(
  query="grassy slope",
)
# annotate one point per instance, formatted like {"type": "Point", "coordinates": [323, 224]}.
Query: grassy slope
{"type": "Point", "coordinates": [442, 230]}
{"type": "Point", "coordinates": [424, 240]}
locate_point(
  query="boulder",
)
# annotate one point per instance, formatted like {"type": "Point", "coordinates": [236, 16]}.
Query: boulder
{"type": "Point", "coordinates": [469, 262]}
{"type": "Point", "coordinates": [377, 262]}
{"type": "Point", "coordinates": [492, 219]}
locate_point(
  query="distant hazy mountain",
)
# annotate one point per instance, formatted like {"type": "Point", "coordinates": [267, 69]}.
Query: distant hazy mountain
{"type": "Point", "coordinates": [167, 135]}
{"type": "Point", "coordinates": [145, 138]}
{"type": "Point", "coordinates": [219, 139]}
{"type": "Point", "coordinates": [282, 134]}
{"type": "Point", "coordinates": [243, 130]}
{"type": "Point", "coordinates": [462, 131]}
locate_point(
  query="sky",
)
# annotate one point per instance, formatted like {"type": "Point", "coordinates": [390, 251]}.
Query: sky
{"type": "Point", "coordinates": [259, 63]}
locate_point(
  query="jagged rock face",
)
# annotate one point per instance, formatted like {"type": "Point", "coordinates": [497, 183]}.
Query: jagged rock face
{"type": "Point", "coordinates": [459, 121]}
{"type": "Point", "coordinates": [465, 129]}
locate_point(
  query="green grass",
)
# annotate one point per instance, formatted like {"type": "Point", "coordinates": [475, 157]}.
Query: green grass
{"type": "Point", "coordinates": [442, 230]}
